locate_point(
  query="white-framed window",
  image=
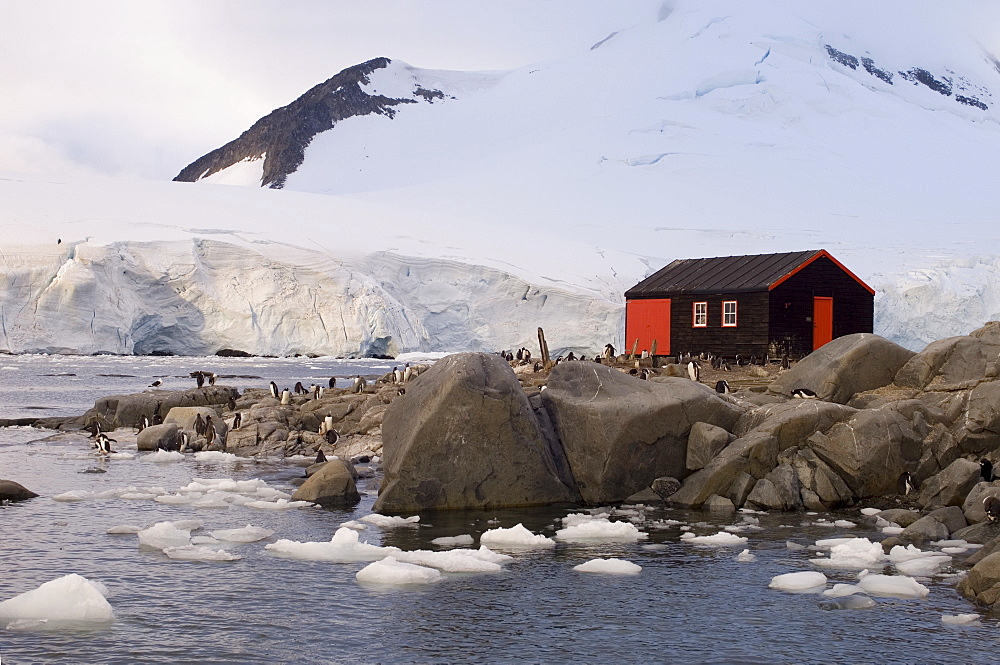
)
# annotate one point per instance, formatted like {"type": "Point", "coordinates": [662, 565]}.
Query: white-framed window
{"type": "Point", "coordinates": [729, 314]}
{"type": "Point", "coordinates": [700, 314]}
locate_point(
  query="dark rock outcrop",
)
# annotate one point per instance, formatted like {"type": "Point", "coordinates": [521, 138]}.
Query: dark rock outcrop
{"type": "Point", "coordinates": [127, 410]}
{"type": "Point", "coordinates": [11, 491]}
{"type": "Point", "coordinates": [465, 436]}
{"type": "Point", "coordinates": [164, 436]}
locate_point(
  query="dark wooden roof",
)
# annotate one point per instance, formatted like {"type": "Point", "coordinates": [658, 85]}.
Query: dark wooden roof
{"type": "Point", "coordinates": [729, 274]}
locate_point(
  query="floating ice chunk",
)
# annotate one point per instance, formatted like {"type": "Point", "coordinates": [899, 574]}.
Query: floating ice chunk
{"type": "Point", "coordinates": [74, 495]}
{"type": "Point", "coordinates": [609, 566]}
{"type": "Point", "coordinates": [187, 525]}
{"type": "Point", "coordinates": [344, 547]}
{"type": "Point", "coordinates": [516, 536]}
{"type": "Point", "coordinates": [954, 550]}
{"type": "Point", "coordinates": [892, 530]}
{"type": "Point", "coordinates": [923, 566]}
{"type": "Point", "coordinates": [391, 571]}
{"type": "Point", "coordinates": [137, 496]}
{"type": "Point", "coordinates": [808, 581]}
{"type": "Point", "coordinates": [848, 603]}
{"type": "Point", "coordinates": [655, 547]}
{"type": "Point", "coordinates": [248, 534]}
{"type": "Point", "coordinates": [601, 530]}
{"type": "Point", "coordinates": [280, 504]}
{"type": "Point", "coordinates": [215, 456]}
{"type": "Point", "coordinates": [721, 539]}
{"type": "Point", "coordinates": [124, 529]}
{"type": "Point", "coordinates": [162, 456]}
{"type": "Point", "coordinates": [900, 553]}
{"type": "Point", "coordinates": [163, 535]}
{"type": "Point", "coordinates": [844, 524]}
{"type": "Point", "coordinates": [204, 540]}
{"type": "Point", "coordinates": [386, 521]}
{"type": "Point", "coordinates": [870, 511]}
{"type": "Point", "coordinates": [746, 557]}
{"type": "Point", "coordinates": [840, 590]}
{"type": "Point", "coordinates": [199, 553]}
{"type": "Point", "coordinates": [574, 519]}
{"type": "Point", "coordinates": [789, 545]}
{"type": "Point", "coordinates": [454, 541]}
{"type": "Point", "coordinates": [964, 544]}
{"type": "Point", "coordinates": [354, 524]}
{"type": "Point", "coordinates": [452, 561]}
{"type": "Point", "coordinates": [121, 456]}
{"type": "Point", "coordinates": [830, 543]}
{"type": "Point", "coordinates": [72, 598]}
{"type": "Point", "coordinates": [893, 586]}
{"type": "Point", "coordinates": [960, 619]}
{"type": "Point", "coordinates": [853, 554]}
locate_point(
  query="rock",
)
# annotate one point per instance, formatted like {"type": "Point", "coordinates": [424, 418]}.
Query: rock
{"type": "Point", "coordinates": [665, 486]}
{"type": "Point", "coordinates": [11, 491]}
{"type": "Point", "coordinates": [923, 530]}
{"type": "Point", "coordinates": [332, 485]}
{"type": "Point", "coordinates": [779, 490]}
{"type": "Point", "coordinates": [972, 507]}
{"type": "Point", "coordinates": [872, 449]}
{"type": "Point", "coordinates": [954, 363]}
{"type": "Point", "coordinates": [719, 504]}
{"type": "Point", "coordinates": [646, 496]}
{"type": "Point", "coordinates": [127, 410]}
{"type": "Point", "coordinates": [900, 516]}
{"type": "Point", "coordinates": [951, 486]}
{"type": "Point", "coordinates": [982, 584]}
{"type": "Point", "coordinates": [465, 436]}
{"type": "Point", "coordinates": [753, 455]}
{"type": "Point", "coordinates": [989, 547]}
{"type": "Point", "coordinates": [819, 487]}
{"type": "Point", "coordinates": [792, 421]}
{"type": "Point", "coordinates": [980, 533]}
{"type": "Point", "coordinates": [619, 433]}
{"type": "Point", "coordinates": [847, 365]}
{"type": "Point", "coordinates": [157, 436]}
{"type": "Point", "coordinates": [705, 442]}
{"type": "Point", "coordinates": [980, 430]}
{"type": "Point", "coordinates": [740, 488]}
{"type": "Point", "coordinates": [951, 517]}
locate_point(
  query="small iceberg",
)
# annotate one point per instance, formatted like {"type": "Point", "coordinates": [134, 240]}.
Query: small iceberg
{"type": "Point", "coordinates": [64, 601]}
{"type": "Point", "coordinates": [721, 539]}
{"type": "Point", "coordinates": [516, 536]}
{"type": "Point", "coordinates": [163, 535]}
{"type": "Point", "coordinates": [248, 534]}
{"type": "Point", "coordinates": [344, 547]}
{"type": "Point", "coordinates": [601, 530]}
{"type": "Point", "coordinates": [387, 521]}
{"type": "Point", "coordinates": [393, 572]}
{"type": "Point", "coordinates": [893, 586]}
{"type": "Point", "coordinates": [199, 553]}
{"type": "Point", "coordinates": [960, 619]}
{"type": "Point", "coordinates": [746, 557]}
{"type": "Point", "coordinates": [454, 541]}
{"type": "Point", "coordinates": [609, 567]}
{"type": "Point", "coordinates": [803, 582]}
{"type": "Point", "coordinates": [164, 456]}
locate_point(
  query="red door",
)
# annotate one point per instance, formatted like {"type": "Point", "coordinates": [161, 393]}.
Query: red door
{"type": "Point", "coordinates": [646, 320]}
{"type": "Point", "coordinates": [822, 321]}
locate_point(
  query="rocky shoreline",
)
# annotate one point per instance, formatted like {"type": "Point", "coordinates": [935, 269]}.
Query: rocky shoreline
{"type": "Point", "coordinates": [476, 431]}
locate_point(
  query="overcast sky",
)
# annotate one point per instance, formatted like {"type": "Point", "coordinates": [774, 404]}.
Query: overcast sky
{"type": "Point", "coordinates": [144, 87]}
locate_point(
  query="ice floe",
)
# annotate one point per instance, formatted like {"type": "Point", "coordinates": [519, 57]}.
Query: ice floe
{"type": "Point", "coordinates": [483, 560]}
{"type": "Point", "coordinates": [721, 539]}
{"type": "Point", "coordinates": [870, 511]}
{"type": "Point", "coordinates": [848, 603]}
{"type": "Point", "coordinates": [853, 554]}
{"type": "Point", "coordinates": [893, 586]}
{"type": "Point", "coordinates": [515, 536]}
{"type": "Point", "coordinates": [248, 534]}
{"type": "Point", "coordinates": [199, 553]}
{"type": "Point", "coordinates": [215, 456]}
{"type": "Point", "coordinates": [163, 456]}
{"type": "Point", "coordinates": [609, 567]}
{"type": "Point", "coordinates": [388, 521]}
{"type": "Point", "coordinates": [841, 590]}
{"type": "Point", "coordinates": [601, 530]}
{"type": "Point", "coordinates": [394, 572]}
{"type": "Point", "coordinates": [960, 619]}
{"type": "Point", "coordinates": [343, 547]}
{"type": "Point", "coordinates": [124, 529]}
{"type": "Point", "coordinates": [746, 557]}
{"type": "Point", "coordinates": [68, 599]}
{"type": "Point", "coordinates": [454, 541]}
{"type": "Point", "coordinates": [804, 581]}
{"type": "Point", "coordinates": [163, 535]}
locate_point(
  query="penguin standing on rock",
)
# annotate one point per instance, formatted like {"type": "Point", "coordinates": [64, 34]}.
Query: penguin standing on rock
{"type": "Point", "coordinates": [104, 444]}
{"type": "Point", "coordinates": [359, 384]}
{"type": "Point", "coordinates": [286, 397]}
{"type": "Point", "coordinates": [986, 470]}
{"type": "Point", "coordinates": [274, 390]}
{"type": "Point", "coordinates": [694, 370]}
{"type": "Point", "coordinates": [905, 484]}
{"type": "Point", "coordinates": [991, 505]}
{"type": "Point", "coordinates": [722, 387]}
{"type": "Point", "coordinates": [237, 419]}
{"type": "Point", "coordinates": [804, 393]}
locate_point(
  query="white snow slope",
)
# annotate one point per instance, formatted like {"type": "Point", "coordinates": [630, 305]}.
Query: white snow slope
{"type": "Point", "coordinates": [536, 197]}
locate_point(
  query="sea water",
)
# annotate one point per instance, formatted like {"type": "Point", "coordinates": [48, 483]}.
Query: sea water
{"type": "Point", "coordinates": [693, 600]}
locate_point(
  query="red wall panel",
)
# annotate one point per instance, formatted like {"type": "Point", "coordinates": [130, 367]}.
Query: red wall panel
{"type": "Point", "coordinates": [647, 320]}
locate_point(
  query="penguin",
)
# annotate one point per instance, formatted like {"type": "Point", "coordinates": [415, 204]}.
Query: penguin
{"type": "Point", "coordinates": [739, 360]}
{"type": "Point", "coordinates": [722, 387]}
{"type": "Point", "coordinates": [209, 431]}
{"type": "Point", "coordinates": [905, 484]}
{"type": "Point", "coordinates": [104, 444]}
{"type": "Point", "coordinates": [644, 375]}
{"type": "Point", "coordinates": [409, 373]}
{"type": "Point", "coordinates": [570, 356]}
{"type": "Point", "coordinates": [401, 391]}
{"type": "Point", "coordinates": [537, 367]}
{"type": "Point", "coordinates": [231, 404]}
{"type": "Point", "coordinates": [397, 375]}
{"type": "Point", "coordinates": [694, 370]}
{"type": "Point", "coordinates": [597, 359]}
{"type": "Point", "coordinates": [326, 425]}
{"type": "Point", "coordinates": [286, 396]}
{"type": "Point", "coordinates": [320, 457]}
{"type": "Point", "coordinates": [991, 505]}
{"type": "Point", "coordinates": [986, 470]}
{"type": "Point", "coordinates": [199, 377]}
{"type": "Point", "coordinates": [94, 428]}
{"type": "Point", "coordinates": [527, 355]}
{"type": "Point", "coordinates": [785, 363]}
{"type": "Point", "coordinates": [314, 389]}
{"type": "Point", "coordinates": [299, 389]}
{"type": "Point", "coordinates": [184, 442]}
{"type": "Point", "coordinates": [333, 382]}
{"type": "Point", "coordinates": [359, 384]}
{"type": "Point", "coordinates": [199, 424]}
{"type": "Point", "coordinates": [609, 351]}
{"type": "Point", "coordinates": [156, 384]}
{"type": "Point", "coordinates": [237, 419]}
{"type": "Point", "coordinates": [520, 354]}
{"type": "Point", "coordinates": [143, 423]}
{"type": "Point", "coordinates": [274, 390]}
{"type": "Point", "coordinates": [212, 376]}
{"type": "Point", "coordinates": [633, 371]}
{"type": "Point", "coordinates": [803, 393]}
{"type": "Point", "coordinates": [332, 437]}
{"type": "Point", "coordinates": [157, 419]}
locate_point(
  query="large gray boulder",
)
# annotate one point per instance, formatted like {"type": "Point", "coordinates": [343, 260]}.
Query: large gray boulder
{"type": "Point", "coordinates": [128, 410]}
{"type": "Point", "coordinates": [954, 363]}
{"type": "Point", "coordinates": [872, 449]}
{"type": "Point", "coordinates": [845, 366]}
{"type": "Point", "coordinates": [154, 437]}
{"type": "Point", "coordinates": [332, 485]}
{"type": "Point", "coordinates": [972, 507]}
{"type": "Point", "coordinates": [982, 584]}
{"type": "Point", "coordinates": [951, 486]}
{"type": "Point", "coordinates": [980, 429]}
{"type": "Point", "coordinates": [466, 436]}
{"type": "Point", "coordinates": [11, 491]}
{"type": "Point", "coordinates": [704, 443]}
{"type": "Point", "coordinates": [779, 490]}
{"type": "Point", "coordinates": [620, 433]}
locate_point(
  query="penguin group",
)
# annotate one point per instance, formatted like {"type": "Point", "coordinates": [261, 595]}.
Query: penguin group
{"type": "Point", "coordinates": [200, 376]}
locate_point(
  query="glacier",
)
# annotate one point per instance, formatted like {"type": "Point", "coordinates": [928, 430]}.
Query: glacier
{"type": "Point", "coordinates": [500, 202]}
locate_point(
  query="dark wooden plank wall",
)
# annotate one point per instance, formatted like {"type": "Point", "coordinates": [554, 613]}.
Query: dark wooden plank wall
{"type": "Point", "coordinates": [749, 337]}
{"type": "Point", "coordinates": [791, 307]}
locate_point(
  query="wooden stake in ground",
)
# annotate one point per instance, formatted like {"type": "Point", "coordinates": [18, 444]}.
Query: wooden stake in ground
{"type": "Point", "coordinates": [631, 356]}
{"type": "Point", "coordinates": [543, 347]}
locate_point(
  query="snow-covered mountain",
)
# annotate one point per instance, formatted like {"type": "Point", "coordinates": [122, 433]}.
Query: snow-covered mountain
{"type": "Point", "coordinates": [436, 210]}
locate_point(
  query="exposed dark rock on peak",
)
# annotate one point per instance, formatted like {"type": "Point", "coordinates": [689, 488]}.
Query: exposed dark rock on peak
{"type": "Point", "coordinates": [283, 134]}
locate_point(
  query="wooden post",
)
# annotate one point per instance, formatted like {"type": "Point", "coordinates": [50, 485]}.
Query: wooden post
{"type": "Point", "coordinates": [543, 348]}
{"type": "Point", "coordinates": [652, 353]}
{"type": "Point", "coordinates": [631, 355]}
